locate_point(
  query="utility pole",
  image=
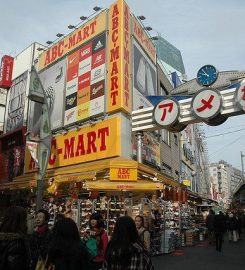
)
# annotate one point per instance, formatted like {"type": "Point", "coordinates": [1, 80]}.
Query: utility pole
{"type": "Point", "coordinates": [242, 156]}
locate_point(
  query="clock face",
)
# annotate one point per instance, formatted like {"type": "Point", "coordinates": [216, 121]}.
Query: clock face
{"type": "Point", "coordinates": [207, 75]}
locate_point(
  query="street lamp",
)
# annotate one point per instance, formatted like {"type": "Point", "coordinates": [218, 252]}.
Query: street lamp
{"type": "Point", "coordinates": [148, 28]}
{"type": "Point", "coordinates": [83, 18]}
{"type": "Point", "coordinates": [49, 42]}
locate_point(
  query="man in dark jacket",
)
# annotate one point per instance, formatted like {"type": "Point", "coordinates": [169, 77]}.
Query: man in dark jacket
{"type": "Point", "coordinates": [41, 238]}
{"type": "Point", "coordinates": [219, 230]}
{"type": "Point", "coordinates": [210, 226]}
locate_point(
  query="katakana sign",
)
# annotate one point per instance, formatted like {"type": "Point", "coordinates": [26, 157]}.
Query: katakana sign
{"type": "Point", "coordinates": [166, 112]}
{"type": "Point", "coordinates": [206, 104]}
{"type": "Point", "coordinates": [212, 106]}
{"type": "Point", "coordinates": [240, 97]}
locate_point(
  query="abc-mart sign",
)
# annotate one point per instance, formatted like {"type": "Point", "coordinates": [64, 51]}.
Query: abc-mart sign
{"type": "Point", "coordinates": [207, 105]}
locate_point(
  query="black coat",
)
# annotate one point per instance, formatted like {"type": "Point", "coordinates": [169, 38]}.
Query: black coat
{"type": "Point", "coordinates": [219, 224]}
{"type": "Point", "coordinates": [40, 245]}
{"type": "Point", "coordinates": [14, 252]}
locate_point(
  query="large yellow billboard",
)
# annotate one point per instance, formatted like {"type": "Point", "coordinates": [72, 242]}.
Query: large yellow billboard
{"type": "Point", "coordinates": [98, 141]}
{"type": "Point", "coordinates": [119, 58]}
{"type": "Point", "coordinates": [74, 40]}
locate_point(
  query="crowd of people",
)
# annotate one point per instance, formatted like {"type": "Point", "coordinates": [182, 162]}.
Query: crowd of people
{"type": "Point", "coordinates": [218, 224]}
{"type": "Point", "coordinates": [62, 248]}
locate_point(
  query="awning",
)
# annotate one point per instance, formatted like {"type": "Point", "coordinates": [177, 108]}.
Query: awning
{"type": "Point", "coordinates": [97, 175]}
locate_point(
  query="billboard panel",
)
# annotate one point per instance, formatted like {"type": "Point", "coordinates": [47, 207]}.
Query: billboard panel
{"type": "Point", "coordinates": [14, 116]}
{"type": "Point", "coordinates": [119, 51]}
{"type": "Point", "coordinates": [53, 80]}
{"type": "Point", "coordinates": [84, 33]}
{"type": "Point", "coordinates": [143, 39]}
{"type": "Point", "coordinates": [145, 80]}
{"type": "Point", "coordinates": [85, 88]}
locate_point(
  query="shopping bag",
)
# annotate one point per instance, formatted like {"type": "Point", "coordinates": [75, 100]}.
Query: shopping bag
{"type": "Point", "coordinates": [92, 247]}
{"type": "Point", "coordinates": [41, 263]}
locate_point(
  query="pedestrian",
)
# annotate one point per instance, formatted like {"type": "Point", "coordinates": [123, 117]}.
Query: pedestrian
{"type": "Point", "coordinates": [66, 251]}
{"type": "Point", "coordinates": [125, 250]}
{"type": "Point", "coordinates": [232, 228]}
{"type": "Point", "coordinates": [14, 245]}
{"type": "Point", "coordinates": [144, 234]}
{"type": "Point", "coordinates": [219, 230]}
{"type": "Point", "coordinates": [210, 226]}
{"type": "Point", "coordinates": [98, 232]}
{"type": "Point", "coordinates": [41, 238]}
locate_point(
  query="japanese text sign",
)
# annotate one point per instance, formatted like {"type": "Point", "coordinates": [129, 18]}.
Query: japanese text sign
{"type": "Point", "coordinates": [166, 112]}
{"type": "Point", "coordinates": [206, 104]}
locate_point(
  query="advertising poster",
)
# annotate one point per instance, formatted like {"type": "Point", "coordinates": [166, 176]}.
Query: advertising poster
{"type": "Point", "coordinates": [150, 149]}
{"type": "Point", "coordinates": [53, 80]}
{"type": "Point", "coordinates": [14, 116]}
{"type": "Point", "coordinates": [144, 78]}
{"type": "Point", "coordinates": [85, 87]}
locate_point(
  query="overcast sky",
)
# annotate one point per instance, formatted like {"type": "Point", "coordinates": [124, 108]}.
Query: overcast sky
{"type": "Point", "coordinates": [206, 32]}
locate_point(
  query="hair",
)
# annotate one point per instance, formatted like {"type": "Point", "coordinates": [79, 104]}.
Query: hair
{"type": "Point", "coordinates": [141, 218]}
{"type": "Point", "coordinates": [46, 214]}
{"type": "Point", "coordinates": [211, 211]}
{"type": "Point", "coordinates": [66, 249]}
{"type": "Point", "coordinates": [120, 249]}
{"type": "Point", "coordinates": [98, 217]}
{"type": "Point", "coordinates": [15, 220]}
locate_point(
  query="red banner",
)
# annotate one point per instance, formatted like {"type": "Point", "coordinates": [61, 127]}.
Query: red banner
{"type": "Point", "coordinates": [6, 71]}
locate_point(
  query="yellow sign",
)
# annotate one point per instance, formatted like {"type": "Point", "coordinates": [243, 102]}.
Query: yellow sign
{"type": "Point", "coordinates": [99, 141]}
{"type": "Point", "coordinates": [119, 58]}
{"type": "Point", "coordinates": [144, 40]}
{"type": "Point", "coordinates": [117, 185]}
{"type": "Point", "coordinates": [123, 174]}
{"type": "Point", "coordinates": [187, 182]}
{"type": "Point", "coordinates": [74, 40]}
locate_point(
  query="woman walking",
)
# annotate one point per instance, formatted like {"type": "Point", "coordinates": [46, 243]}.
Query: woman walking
{"type": "Point", "coordinates": [66, 251]}
{"type": "Point", "coordinates": [14, 247]}
{"type": "Point", "coordinates": [125, 251]}
{"type": "Point", "coordinates": [144, 234]}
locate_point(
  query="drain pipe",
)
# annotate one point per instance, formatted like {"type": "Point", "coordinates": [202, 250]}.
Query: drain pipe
{"type": "Point", "coordinates": [139, 137]}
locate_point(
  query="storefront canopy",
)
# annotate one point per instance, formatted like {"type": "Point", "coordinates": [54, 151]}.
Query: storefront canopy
{"type": "Point", "coordinates": [108, 174]}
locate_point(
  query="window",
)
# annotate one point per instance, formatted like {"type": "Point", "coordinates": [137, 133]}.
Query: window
{"type": "Point", "coordinates": [166, 136]}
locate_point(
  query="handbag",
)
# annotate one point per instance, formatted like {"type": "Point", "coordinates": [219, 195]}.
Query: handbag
{"type": "Point", "coordinates": [41, 263]}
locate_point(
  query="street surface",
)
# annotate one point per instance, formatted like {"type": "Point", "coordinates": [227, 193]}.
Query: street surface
{"type": "Point", "coordinates": [204, 257]}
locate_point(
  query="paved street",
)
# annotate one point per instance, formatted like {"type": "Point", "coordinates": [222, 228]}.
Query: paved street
{"type": "Point", "coordinates": [204, 257]}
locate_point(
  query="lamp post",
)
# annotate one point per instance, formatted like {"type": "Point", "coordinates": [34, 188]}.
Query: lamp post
{"type": "Point", "coordinates": [37, 94]}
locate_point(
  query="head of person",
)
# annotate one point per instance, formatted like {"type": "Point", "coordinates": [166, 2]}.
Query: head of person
{"type": "Point", "coordinates": [121, 246]}
{"type": "Point", "coordinates": [15, 220]}
{"type": "Point", "coordinates": [66, 245]}
{"type": "Point", "coordinates": [42, 217]}
{"type": "Point", "coordinates": [67, 228]}
{"type": "Point", "coordinates": [139, 221]}
{"type": "Point", "coordinates": [96, 221]}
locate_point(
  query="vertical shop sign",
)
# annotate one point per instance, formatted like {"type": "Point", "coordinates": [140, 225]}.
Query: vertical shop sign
{"type": "Point", "coordinates": [6, 71]}
{"type": "Point", "coordinates": [119, 95]}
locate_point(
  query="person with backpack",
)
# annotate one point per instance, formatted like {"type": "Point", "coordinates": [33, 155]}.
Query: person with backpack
{"type": "Point", "coordinates": [97, 240]}
{"type": "Point", "coordinates": [125, 250]}
{"type": "Point", "coordinates": [144, 234]}
{"type": "Point", "coordinates": [14, 245]}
